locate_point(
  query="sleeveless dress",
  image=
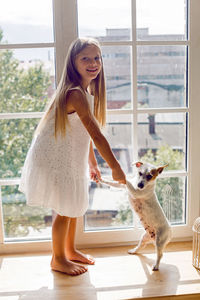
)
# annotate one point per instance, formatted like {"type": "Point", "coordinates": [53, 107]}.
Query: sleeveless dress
{"type": "Point", "coordinates": [55, 170]}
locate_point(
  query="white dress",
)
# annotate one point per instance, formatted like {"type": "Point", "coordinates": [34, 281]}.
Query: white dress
{"type": "Point", "coordinates": [55, 170]}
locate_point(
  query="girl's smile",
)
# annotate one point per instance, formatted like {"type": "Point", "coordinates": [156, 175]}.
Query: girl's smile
{"type": "Point", "coordinates": [88, 64]}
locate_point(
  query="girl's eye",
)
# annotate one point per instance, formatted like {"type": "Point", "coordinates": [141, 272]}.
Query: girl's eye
{"type": "Point", "coordinates": [97, 58]}
{"type": "Point", "coordinates": [148, 177]}
{"type": "Point", "coordinates": [85, 58]}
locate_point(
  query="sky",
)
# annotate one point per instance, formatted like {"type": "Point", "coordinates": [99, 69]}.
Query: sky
{"type": "Point", "coordinates": [32, 21]}
{"type": "Point", "coordinates": [161, 16]}
{"type": "Point", "coordinates": [35, 12]}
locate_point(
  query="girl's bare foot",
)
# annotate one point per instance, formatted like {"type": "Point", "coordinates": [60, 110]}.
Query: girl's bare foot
{"type": "Point", "coordinates": [76, 255]}
{"type": "Point", "coordinates": [63, 265]}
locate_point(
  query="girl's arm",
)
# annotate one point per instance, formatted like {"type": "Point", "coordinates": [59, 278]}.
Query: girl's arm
{"type": "Point", "coordinates": [79, 103]}
{"type": "Point", "coordinates": [95, 173]}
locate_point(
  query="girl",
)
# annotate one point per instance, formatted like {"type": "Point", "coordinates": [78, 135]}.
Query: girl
{"type": "Point", "coordinates": [54, 173]}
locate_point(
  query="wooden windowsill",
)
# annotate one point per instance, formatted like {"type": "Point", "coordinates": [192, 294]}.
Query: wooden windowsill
{"type": "Point", "coordinates": [116, 275]}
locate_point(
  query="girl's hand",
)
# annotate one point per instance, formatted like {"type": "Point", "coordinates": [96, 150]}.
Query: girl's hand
{"type": "Point", "coordinates": [95, 173]}
{"type": "Point", "coordinates": [118, 175]}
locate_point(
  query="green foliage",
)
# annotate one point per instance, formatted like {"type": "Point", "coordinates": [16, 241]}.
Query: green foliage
{"type": "Point", "coordinates": [15, 138]}
{"type": "Point", "coordinates": [165, 155]}
{"type": "Point", "coordinates": [20, 91]}
{"type": "Point", "coordinates": [19, 218]}
{"type": "Point", "coordinates": [124, 216]}
{"type": "Point", "coordinates": [170, 192]}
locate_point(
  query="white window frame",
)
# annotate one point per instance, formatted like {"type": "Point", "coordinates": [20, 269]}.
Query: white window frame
{"type": "Point", "coordinates": [66, 30]}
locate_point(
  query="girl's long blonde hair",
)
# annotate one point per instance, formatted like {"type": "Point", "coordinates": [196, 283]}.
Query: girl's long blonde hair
{"type": "Point", "coordinates": [71, 78]}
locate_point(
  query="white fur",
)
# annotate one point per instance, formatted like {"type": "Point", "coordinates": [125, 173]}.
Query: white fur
{"type": "Point", "coordinates": [145, 203]}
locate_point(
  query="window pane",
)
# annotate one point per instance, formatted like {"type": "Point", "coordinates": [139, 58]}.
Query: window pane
{"type": "Point", "coordinates": [118, 133]}
{"type": "Point", "coordinates": [118, 76]}
{"type": "Point", "coordinates": [26, 21]}
{"type": "Point", "coordinates": [27, 79]}
{"type": "Point", "coordinates": [162, 139]}
{"type": "Point", "coordinates": [162, 76]}
{"type": "Point", "coordinates": [106, 17]}
{"type": "Point", "coordinates": [161, 20]}
{"type": "Point", "coordinates": [110, 208]}
{"type": "Point", "coordinates": [171, 195]}
{"type": "Point", "coordinates": [15, 139]}
{"type": "Point", "coordinates": [22, 221]}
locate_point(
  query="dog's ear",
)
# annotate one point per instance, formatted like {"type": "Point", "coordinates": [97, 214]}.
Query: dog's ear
{"type": "Point", "coordinates": [138, 164]}
{"type": "Point", "coordinates": [154, 172]}
{"type": "Point", "coordinates": [160, 169]}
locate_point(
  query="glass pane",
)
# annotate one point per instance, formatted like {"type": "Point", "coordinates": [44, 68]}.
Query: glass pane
{"type": "Point", "coordinates": [171, 195]}
{"type": "Point", "coordinates": [15, 139]}
{"type": "Point", "coordinates": [22, 221]}
{"type": "Point", "coordinates": [26, 21]}
{"type": "Point", "coordinates": [161, 20]}
{"type": "Point", "coordinates": [162, 76]}
{"type": "Point", "coordinates": [118, 76]}
{"type": "Point", "coordinates": [27, 79]}
{"type": "Point", "coordinates": [110, 208]}
{"type": "Point", "coordinates": [162, 139]}
{"type": "Point", "coordinates": [111, 20]}
{"type": "Point", "coordinates": [118, 133]}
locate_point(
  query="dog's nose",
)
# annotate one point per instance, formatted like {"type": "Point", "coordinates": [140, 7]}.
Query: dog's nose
{"type": "Point", "coordinates": [141, 185]}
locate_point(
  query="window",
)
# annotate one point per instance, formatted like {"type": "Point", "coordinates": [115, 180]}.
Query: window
{"type": "Point", "coordinates": [27, 67]}
{"type": "Point", "coordinates": [152, 70]}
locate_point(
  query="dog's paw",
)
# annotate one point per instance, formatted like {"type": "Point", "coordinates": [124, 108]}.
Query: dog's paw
{"type": "Point", "coordinates": [132, 251]}
{"type": "Point", "coordinates": [155, 268]}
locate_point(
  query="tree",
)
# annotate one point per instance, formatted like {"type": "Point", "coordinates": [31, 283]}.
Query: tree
{"type": "Point", "coordinates": [20, 91]}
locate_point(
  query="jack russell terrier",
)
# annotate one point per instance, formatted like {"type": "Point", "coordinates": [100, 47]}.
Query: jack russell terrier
{"type": "Point", "coordinates": [145, 203]}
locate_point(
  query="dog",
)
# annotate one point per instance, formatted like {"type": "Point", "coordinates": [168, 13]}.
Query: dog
{"type": "Point", "coordinates": [143, 199]}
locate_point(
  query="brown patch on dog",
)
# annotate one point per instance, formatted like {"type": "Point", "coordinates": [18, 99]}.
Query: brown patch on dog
{"type": "Point", "coordinates": [160, 169]}
{"type": "Point", "coordinates": [154, 173]}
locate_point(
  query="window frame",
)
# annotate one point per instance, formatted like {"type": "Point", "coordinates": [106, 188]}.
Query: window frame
{"type": "Point", "coordinates": [66, 30]}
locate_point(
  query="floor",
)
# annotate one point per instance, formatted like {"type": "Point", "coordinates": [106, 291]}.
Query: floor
{"type": "Point", "coordinates": [116, 275]}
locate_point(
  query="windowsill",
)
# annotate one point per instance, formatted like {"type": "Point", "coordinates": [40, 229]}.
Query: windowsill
{"type": "Point", "coordinates": [116, 275]}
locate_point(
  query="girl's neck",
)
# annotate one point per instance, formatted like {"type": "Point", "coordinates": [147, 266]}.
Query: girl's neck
{"type": "Point", "coordinates": [85, 85]}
